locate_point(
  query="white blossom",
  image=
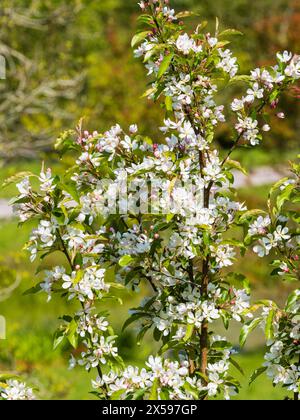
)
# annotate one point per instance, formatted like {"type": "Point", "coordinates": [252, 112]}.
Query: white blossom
{"type": "Point", "coordinates": [285, 57]}
{"type": "Point", "coordinates": [15, 390]}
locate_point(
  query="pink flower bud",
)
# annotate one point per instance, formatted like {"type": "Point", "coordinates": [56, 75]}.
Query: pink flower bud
{"type": "Point", "coordinates": [281, 115]}
{"type": "Point", "coordinates": [274, 104]}
{"type": "Point", "coordinates": [266, 127]}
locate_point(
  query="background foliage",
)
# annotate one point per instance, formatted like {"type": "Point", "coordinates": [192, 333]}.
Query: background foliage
{"type": "Point", "coordinates": [71, 59]}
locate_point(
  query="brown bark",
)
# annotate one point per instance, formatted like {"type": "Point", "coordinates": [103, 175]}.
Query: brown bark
{"type": "Point", "coordinates": [204, 326]}
{"type": "Point", "coordinates": [204, 287]}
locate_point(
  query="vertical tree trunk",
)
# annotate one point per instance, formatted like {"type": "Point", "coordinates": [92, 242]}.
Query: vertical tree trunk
{"type": "Point", "coordinates": [204, 287]}
{"type": "Point", "coordinates": [204, 326]}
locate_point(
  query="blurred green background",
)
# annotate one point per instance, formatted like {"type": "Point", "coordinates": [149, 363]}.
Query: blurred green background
{"type": "Point", "coordinates": [67, 60]}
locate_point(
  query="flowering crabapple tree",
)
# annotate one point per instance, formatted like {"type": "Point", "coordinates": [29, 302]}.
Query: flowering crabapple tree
{"type": "Point", "coordinates": [278, 233]}
{"type": "Point", "coordinates": [134, 211]}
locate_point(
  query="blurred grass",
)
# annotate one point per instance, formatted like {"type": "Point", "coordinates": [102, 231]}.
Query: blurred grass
{"type": "Point", "coordinates": [262, 388]}
{"type": "Point", "coordinates": [255, 157]}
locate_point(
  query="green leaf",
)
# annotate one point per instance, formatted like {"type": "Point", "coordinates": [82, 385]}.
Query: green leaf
{"type": "Point", "coordinates": [170, 217]}
{"type": "Point", "coordinates": [191, 390]}
{"type": "Point", "coordinates": [157, 334]}
{"type": "Point", "coordinates": [292, 299]}
{"type": "Point", "coordinates": [241, 279]}
{"type": "Point", "coordinates": [169, 104]}
{"type": "Point", "coordinates": [65, 141]}
{"type": "Point", "coordinates": [154, 391]}
{"type": "Point", "coordinates": [237, 366]}
{"type": "Point", "coordinates": [164, 394]}
{"type": "Point", "coordinates": [247, 329]}
{"type": "Point", "coordinates": [256, 374]}
{"type": "Point", "coordinates": [125, 260]}
{"type": "Point", "coordinates": [33, 290]}
{"type": "Point", "coordinates": [71, 189]}
{"type": "Point", "coordinates": [117, 395]}
{"type": "Point", "coordinates": [139, 38]}
{"type": "Point", "coordinates": [189, 332]}
{"type": "Point", "coordinates": [149, 92]}
{"type": "Point", "coordinates": [165, 64]}
{"type": "Point", "coordinates": [222, 44]}
{"type": "Point", "coordinates": [133, 318]}
{"type": "Point", "coordinates": [185, 14]}
{"type": "Point", "coordinates": [110, 275]}
{"type": "Point", "coordinates": [138, 395]}
{"type": "Point", "coordinates": [230, 32]}
{"type": "Point", "coordinates": [221, 345]}
{"type": "Point", "coordinates": [72, 334]}
{"type": "Point", "coordinates": [269, 329]}
{"type": "Point", "coordinates": [277, 185]}
{"type": "Point", "coordinates": [201, 26]}
{"type": "Point", "coordinates": [284, 196]}
{"type": "Point", "coordinates": [236, 165]}
{"type": "Point", "coordinates": [17, 200]}
{"type": "Point", "coordinates": [233, 242]}
{"type": "Point", "coordinates": [17, 178]}
{"type": "Point", "coordinates": [78, 277]}
{"type": "Point", "coordinates": [117, 286]}
{"type": "Point", "coordinates": [146, 19]}
{"type": "Point", "coordinates": [141, 333]}
{"type": "Point", "coordinates": [58, 338]}
{"type": "Point", "coordinates": [225, 318]}
{"type": "Point", "coordinates": [251, 213]}
{"type": "Point", "coordinates": [240, 78]}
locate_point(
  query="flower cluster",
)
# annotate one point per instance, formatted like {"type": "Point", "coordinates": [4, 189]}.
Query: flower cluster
{"type": "Point", "coordinates": [173, 316]}
{"type": "Point", "coordinates": [265, 87]}
{"type": "Point", "coordinates": [15, 390]}
{"type": "Point", "coordinates": [165, 379]}
{"type": "Point", "coordinates": [283, 356]}
{"type": "Point", "coordinates": [277, 234]}
{"type": "Point", "coordinates": [168, 377]}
